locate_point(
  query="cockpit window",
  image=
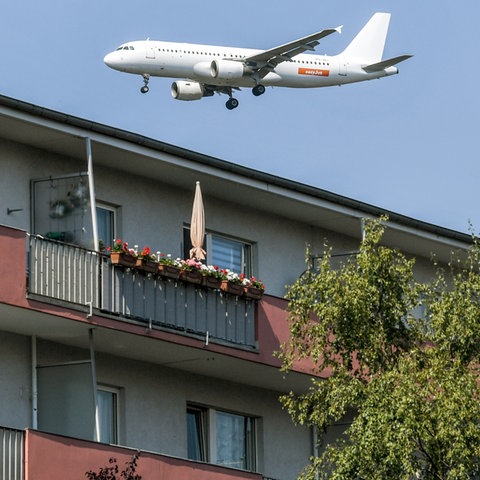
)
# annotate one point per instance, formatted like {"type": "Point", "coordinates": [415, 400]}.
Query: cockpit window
{"type": "Point", "coordinates": [125, 47]}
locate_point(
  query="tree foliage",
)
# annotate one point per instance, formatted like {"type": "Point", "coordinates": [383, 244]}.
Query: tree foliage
{"type": "Point", "coordinates": [402, 359]}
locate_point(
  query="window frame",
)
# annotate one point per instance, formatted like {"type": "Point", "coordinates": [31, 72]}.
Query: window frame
{"type": "Point", "coordinates": [249, 441]}
{"type": "Point", "coordinates": [115, 427]}
{"type": "Point", "coordinates": [113, 221]}
{"type": "Point", "coordinates": [247, 248]}
{"type": "Point", "coordinates": [208, 434]}
{"type": "Point", "coordinates": [201, 433]}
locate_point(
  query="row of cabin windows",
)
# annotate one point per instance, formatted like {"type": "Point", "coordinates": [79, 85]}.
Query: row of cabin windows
{"type": "Point", "coordinates": [215, 436]}
{"type": "Point", "coordinates": [218, 55]}
{"type": "Point", "coordinates": [232, 56]}
{"type": "Point", "coordinates": [223, 251]}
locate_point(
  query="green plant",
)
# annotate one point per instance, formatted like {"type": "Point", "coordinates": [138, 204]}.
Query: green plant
{"type": "Point", "coordinates": [191, 265]}
{"type": "Point", "coordinates": [253, 282]}
{"type": "Point", "coordinates": [147, 254]}
{"type": "Point", "coordinates": [212, 271]}
{"type": "Point", "coordinates": [164, 259]}
{"type": "Point", "coordinates": [402, 358]}
{"type": "Point", "coordinates": [120, 247]}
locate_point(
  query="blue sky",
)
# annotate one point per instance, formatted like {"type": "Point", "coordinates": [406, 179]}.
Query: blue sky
{"type": "Point", "coordinates": [407, 143]}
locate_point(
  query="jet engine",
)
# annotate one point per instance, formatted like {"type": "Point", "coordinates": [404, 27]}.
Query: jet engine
{"type": "Point", "coordinates": [203, 69]}
{"type": "Point", "coordinates": [183, 90]}
{"type": "Point", "coordinates": [227, 69]}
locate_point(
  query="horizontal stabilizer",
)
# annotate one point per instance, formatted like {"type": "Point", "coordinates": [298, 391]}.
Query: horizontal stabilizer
{"type": "Point", "coordinates": [376, 67]}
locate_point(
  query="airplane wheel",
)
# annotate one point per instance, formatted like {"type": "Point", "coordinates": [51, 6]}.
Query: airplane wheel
{"type": "Point", "coordinates": [258, 90]}
{"type": "Point", "coordinates": [232, 103]}
{"type": "Point", "coordinates": [144, 89]}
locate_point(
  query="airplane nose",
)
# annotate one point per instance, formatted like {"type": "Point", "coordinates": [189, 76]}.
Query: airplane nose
{"type": "Point", "coordinates": [111, 60]}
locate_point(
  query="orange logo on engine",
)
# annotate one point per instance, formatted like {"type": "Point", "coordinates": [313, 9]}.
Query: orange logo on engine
{"type": "Point", "coordinates": [316, 72]}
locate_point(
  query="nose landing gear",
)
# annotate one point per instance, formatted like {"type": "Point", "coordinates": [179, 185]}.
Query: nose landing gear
{"type": "Point", "coordinates": [146, 78]}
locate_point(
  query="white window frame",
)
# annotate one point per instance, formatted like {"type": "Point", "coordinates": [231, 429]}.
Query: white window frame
{"type": "Point", "coordinates": [208, 415]}
{"type": "Point", "coordinates": [247, 249]}
{"type": "Point", "coordinates": [113, 211]}
{"type": "Point", "coordinates": [116, 411]}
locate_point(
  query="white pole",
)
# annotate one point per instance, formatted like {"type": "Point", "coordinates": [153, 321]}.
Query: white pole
{"type": "Point", "coordinates": [91, 188]}
{"type": "Point", "coordinates": [94, 382]}
{"type": "Point", "coordinates": [34, 384]}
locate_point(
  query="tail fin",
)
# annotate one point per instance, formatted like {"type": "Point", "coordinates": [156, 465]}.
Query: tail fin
{"type": "Point", "coordinates": [369, 43]}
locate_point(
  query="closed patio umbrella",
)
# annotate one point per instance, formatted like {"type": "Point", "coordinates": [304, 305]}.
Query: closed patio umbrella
{"type": "Point", "coordinates": [197, 226]}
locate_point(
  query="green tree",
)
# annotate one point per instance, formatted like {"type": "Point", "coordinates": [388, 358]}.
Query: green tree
{"type": "Point", "coordinates": [411, 382]}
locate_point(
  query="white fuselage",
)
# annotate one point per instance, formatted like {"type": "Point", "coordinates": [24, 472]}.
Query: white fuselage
{"type": "Point", "coordinates": [193, 62]}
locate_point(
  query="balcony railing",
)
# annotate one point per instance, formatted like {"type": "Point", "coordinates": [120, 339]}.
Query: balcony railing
{"type": "Point", "coordinates": [52, 457]}
{"type": "Point", "coordinates": [11, 455]}
{"type": "Point", "coordinates": [75, 275]}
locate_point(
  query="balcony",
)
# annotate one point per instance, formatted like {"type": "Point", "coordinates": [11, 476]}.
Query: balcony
{"type": "Point", "coordinates": [50, 301]}
{"type": "Point", "coordinates": [11, 454]}
{"type": "Point", "coordinates": [35, 455]}
{"type": "Point", "coordinates": [67, 274]}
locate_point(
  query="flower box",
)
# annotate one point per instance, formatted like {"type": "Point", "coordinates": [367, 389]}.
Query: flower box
{"type": "Point", "coordinates": [254, 293]}
{"type": "Point", "coordinates": [146, 265]}
{"type": "Point", "coordinates": [169, 271]}
{"type": "Point", "coordinates": [211, 282]}
{"type": "Point", "coordinates": [191, 277]}
{"type": "Point", "coordinates": [232, 288]}
{"type": "Point", "coordinates": [122, 258]}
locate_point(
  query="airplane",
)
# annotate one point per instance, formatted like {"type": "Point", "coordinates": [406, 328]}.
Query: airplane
{"type": "Point", "coordinates": [209, 69]}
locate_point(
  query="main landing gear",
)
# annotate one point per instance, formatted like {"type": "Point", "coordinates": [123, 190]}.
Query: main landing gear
{"type": "Point", "coordinates": [146, 78]}
{"type": "Point", "coordinates": [258, 90]}
{"type": "Point", "coordinates": [231, 103]}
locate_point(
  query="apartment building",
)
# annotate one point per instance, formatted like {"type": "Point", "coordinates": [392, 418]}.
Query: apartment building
{"type": "Point", "coordinates": [99, 360]}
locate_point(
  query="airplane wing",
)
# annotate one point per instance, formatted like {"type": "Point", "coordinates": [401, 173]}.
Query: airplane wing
{"type": "Point", "coordinates": [284, 53]}
{"type": "Point", "coordinates": [375, 67]}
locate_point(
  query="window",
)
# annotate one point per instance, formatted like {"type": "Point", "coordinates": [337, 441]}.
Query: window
{"type": "Point", "coordinates": [107, 400]}
{"type": "Point", "coordinates": [226, 252]}
{"type": "Point", "coordinates": [106, 223]}
{"type": "Point", "coordinates": [229, 441]}
{"type": "Point", "coordinates": [235, 441]}
{"type": "Point", "coordinates": [196, 434]}
{"type": "Point", "coordinates": [229, 253]}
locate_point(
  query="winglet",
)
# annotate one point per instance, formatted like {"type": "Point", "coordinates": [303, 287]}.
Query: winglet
{"type": "Point", "coordinates": [339, 29]}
